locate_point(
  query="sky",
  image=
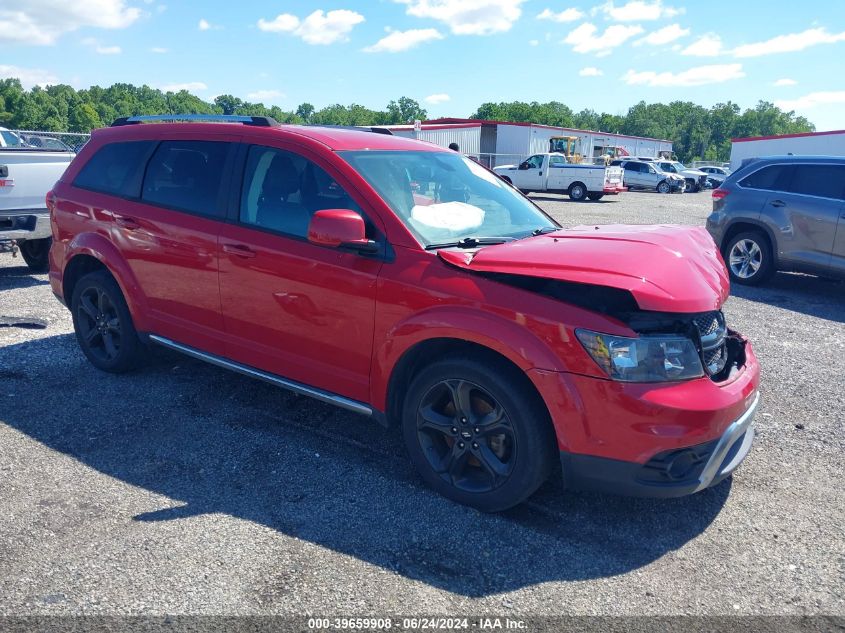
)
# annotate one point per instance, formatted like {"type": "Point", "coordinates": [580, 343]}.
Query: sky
{"type": "Point", "coordinates": [450, 55]}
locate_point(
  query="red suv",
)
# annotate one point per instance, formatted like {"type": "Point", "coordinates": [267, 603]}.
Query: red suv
{"type": "Point", "coordinates": [405, 282]}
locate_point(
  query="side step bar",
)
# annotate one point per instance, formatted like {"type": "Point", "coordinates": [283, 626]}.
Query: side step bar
{"type": "Point", "coordinates": [303, 390]}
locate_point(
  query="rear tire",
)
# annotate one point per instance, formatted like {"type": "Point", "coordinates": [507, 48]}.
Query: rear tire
{"type": "Point", "coordinates": [36, 254]}
{"type": "Point", "coordinates": [103, 325]}
{"type": "Point", "coordinates": [477, 432]}
{"type": "Point", "coordinates": [577, 192]}
{"type": "Point", "coordinates": [595, 197]}
{"type": "Point", "coordinates": [748, 256]}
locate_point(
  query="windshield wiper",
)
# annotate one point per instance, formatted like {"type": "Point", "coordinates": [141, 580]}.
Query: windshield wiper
{"type": "Point", "coordinates": [470, 242]}
{"type": "Point", "coordinates": [544, 230]}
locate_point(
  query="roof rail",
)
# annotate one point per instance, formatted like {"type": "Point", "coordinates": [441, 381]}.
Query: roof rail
{"type": "Point", "coordinates": [258, 121]}
{"type": "Point", "coordinates": [360, 128]}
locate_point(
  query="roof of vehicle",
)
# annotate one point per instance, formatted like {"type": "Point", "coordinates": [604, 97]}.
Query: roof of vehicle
{"type": "Point", "coordinates": [793, 158]}
{"type": "Point", "coordinates": [333, 137]}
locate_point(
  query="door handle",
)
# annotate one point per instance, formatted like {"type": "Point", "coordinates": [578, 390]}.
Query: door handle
{"type": "Point", "coordinates": [238, 250]}
{"type": "Point", "coordinates": [778, 203]}
{"type": "Point", "coordinates": [126, 223]}
{"type": "Point", "coordinates": [540, 174]}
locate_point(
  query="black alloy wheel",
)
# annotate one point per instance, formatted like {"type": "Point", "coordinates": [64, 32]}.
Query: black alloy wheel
{"type": "Point", "coordinates": [466, 436]}
{"type": "Point", "coordinates": [478, 432]}
{"type": "Point", "coordinates": [103, 325]}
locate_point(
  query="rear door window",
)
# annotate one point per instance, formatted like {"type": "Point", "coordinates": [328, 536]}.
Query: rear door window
{"type": "Point", "coordinates": [771, 178]}
{"type": "Point", "coordinates": [826, 181]}
{"type": "Point", "coordinates": [188, 176]}
{"type": "Point", "coordinates": [116, 169]}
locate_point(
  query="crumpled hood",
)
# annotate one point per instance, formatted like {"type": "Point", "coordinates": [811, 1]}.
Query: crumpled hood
{"type": "Point", "coordinates": [666, 268]}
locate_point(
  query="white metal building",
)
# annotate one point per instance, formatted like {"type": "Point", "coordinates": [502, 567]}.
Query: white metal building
{"type": "Point", "coordinates": [808, 143]}
{"type": "Point", "coordinates": [500, 143]}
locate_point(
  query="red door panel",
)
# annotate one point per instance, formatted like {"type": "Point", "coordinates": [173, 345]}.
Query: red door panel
{"type": "Point", "coordinates": [298, 310]}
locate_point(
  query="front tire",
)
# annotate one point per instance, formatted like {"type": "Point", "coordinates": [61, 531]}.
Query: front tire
{"type": "Point", "coordinates": [577, 192]}
{"type": "Point", "coordinates": [595, 197]}
{"type": "Point", "coordinates": [477, 433]}
{"type": "Point", "coordinates": [748, 257]}
{"type": "Point", "coordinates": [663, 187]}
{"type": "Point", "coordinates": [103, 325]}
{"type": "Point", "coordinates": [36, 254]}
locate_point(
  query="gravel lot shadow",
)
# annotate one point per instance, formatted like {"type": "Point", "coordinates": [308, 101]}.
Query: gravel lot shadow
{"type": "Point", "coordinates": [21, 276]}
{"type": "Point", "coordinates": [815, 296]}
{"type": "Point", "coordinates": [214, 442]}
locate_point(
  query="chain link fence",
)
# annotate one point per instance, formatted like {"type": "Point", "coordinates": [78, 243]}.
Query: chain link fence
{"type": "Point", "coordinates": [58, 141]}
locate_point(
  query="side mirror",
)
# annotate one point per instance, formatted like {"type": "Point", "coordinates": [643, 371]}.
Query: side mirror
{"type": "Point", "coordinates": [340, 228]}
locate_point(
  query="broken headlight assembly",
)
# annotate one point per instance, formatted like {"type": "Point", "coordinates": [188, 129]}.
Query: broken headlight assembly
{"type": "Point", "coordinates": [660, 358]}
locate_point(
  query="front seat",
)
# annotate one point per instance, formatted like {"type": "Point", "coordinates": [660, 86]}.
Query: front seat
{"type": "Point", "coordinates": [275, 211]}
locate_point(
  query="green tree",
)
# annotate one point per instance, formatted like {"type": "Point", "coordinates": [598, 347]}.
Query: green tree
{"type": "Point", "coordinates": [84, 118]}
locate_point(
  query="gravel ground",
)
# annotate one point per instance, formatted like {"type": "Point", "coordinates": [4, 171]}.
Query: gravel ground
{"type": "Point", "coordinates": [182, 488]}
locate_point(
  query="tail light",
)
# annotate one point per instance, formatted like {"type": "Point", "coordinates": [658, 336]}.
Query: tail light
{"type": "Point", "coordinates": [720, 193]}
{"type": "Point", "coordinates": [50, 200]}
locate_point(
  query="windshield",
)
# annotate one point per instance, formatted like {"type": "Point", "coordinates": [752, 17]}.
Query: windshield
{"type": "Point", "coordinates": [444, 197]}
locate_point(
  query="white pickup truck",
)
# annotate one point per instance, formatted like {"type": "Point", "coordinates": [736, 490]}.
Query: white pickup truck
{"type": "Point", "coordinates": [552, 173]}
{"type": "Point", "coordinates": [26, 175]}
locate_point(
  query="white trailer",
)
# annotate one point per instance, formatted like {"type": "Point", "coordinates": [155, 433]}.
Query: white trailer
{"type": "Point", "coordinates": [806, 144]}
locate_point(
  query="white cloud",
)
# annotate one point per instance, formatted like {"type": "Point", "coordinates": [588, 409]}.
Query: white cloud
{"type": "Point", "coordinates": [585, 38]}
{"type": "Point", "coordinates": [42, 22]}
{"type": "Point", "coordinates": [29, 76]}
{"type": "Point", "coordinates": [567, 15]}
{"type": "Point", "coordinates": [435, 99]}
{"type": "Point", "coordinates": [190, 86]}
{"type": "Point", "coordinates": [663, 36]}
{"type": "Point", "coordinates": [784, 82]}
{"type": "Point", "coordinates": [789, 43]}
{"type": "Point", "coordinates": [812, 100]}
{"type": "Point", "coordinates": [637, 11]}
{"type": "Point", "coordinates": [398, 41]}
{"type": "Point", "coordinates": [158, 49]}
{"type": "Point", "coordinates": [699, 76]}
{"type": "Point", "coordinates": [533, 42]}
{"type": "Point", "coordinates": [205, 25]}
{"type": "Point", "coordinates": [468, 17]}
{"type": "Point", "coordinates": [590, 71]}
{"type": "Point", "coordinates": [318, 28]}
{"type": "Point", "coordinates": [108, 50]}
{"type": "Point", "coordinates": [709, 45]}
{"type": "Point", "coordinates": [270, 96]}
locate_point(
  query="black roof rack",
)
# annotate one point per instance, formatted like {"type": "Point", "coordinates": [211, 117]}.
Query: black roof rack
{"type": "Point", "coordinates": [360, 128]}
{"type": "Point", "coordinates": [258, 121]}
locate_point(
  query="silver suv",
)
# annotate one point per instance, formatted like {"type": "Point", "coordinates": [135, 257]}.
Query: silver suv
{"type": "Point", "coordinates": [644, 175]}
{"type": "Point", "coordinates": [781, 213]}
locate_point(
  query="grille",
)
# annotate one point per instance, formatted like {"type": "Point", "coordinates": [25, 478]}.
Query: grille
{"type": "Point", "coordinates": [712, 330]}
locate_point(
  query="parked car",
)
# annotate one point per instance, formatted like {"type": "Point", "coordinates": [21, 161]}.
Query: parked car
{"type": "Point", "coordinates": [715, 175]}
{"type": "Point", "coordinates": [26, 175]}
{"type": "Point", "coordinates": [499, 341]}
{"type": "Point", "coordinates": [553, 173]}
{"type": "Point", "coordinates": [46, 142]}
{"type": "Point", "coordinates": [696, 179]}
{"type": "Point", "coordinates": [643, 175]}
{"type": "Point", "coordinates": [781, 213]}
{"type": "Point", "coordinates": [10, 139]}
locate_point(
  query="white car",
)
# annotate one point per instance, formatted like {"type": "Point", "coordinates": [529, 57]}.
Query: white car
{"type": "Point", "coordinates": [716, 175]}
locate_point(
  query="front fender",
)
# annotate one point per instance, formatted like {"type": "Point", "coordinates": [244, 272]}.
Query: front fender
{"type": "Point", "coordinates": [504, 336]}
{"type": "Point", "coordinates": [99, 247]}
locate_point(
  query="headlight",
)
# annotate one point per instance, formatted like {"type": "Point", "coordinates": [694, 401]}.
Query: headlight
{"type": "Point", "coordinates": [643, 359]}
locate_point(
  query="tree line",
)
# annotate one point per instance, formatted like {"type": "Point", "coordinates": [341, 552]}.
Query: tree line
{"type": "Point", "coordinates": [696, 132]}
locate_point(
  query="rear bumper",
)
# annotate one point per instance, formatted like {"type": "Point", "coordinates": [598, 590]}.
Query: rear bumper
{"type": "Point", "coordinates": [613, 190]}
{"type": "Point", "coordinates": [25, 225]}
{"type": "Point", "coordinates": [672, 473]}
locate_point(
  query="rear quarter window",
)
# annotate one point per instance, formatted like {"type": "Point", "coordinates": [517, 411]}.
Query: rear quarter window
{"type": "Point", "coordinates": [116, 169]}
